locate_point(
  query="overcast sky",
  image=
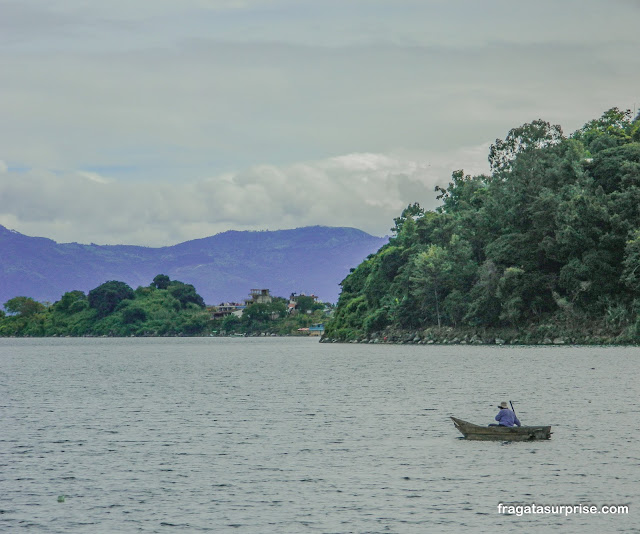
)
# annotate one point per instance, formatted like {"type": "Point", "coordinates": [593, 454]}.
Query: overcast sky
{"type": "Point", "coordinates": [153, 122]}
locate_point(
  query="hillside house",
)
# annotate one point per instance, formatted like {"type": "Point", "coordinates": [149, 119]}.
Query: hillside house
{"type": "Point", "coordinates": [227, 308]}
{"type": "Point", "coordinates": [258, 296]}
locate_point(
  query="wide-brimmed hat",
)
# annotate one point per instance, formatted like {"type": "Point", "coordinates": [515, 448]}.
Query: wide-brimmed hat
{"type": "Point", "coordinates": [503, 406]}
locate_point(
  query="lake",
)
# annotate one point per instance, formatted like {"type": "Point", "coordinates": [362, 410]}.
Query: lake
{"type": "Point", "coordinates": [287, 435]}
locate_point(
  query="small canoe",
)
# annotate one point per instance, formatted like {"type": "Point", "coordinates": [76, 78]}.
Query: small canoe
{"type": "Point", "coordinates": [501, 433]}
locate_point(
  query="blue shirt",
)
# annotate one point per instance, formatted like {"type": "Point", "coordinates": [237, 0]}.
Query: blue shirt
{"type": "Point", "coordinates": [507, 418]}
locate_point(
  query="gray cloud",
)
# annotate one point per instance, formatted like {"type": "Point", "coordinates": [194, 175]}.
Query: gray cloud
{"type": "Point", "coordinates": [209, 106]}
{"type": "Point", "coordinates": [164, 120]}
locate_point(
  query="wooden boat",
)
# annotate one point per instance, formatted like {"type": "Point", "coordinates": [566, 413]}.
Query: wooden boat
{"type": "Point", "coordinates": [501, 433]}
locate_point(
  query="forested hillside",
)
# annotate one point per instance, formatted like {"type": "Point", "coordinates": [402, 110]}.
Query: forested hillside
{"type": "Point", "coordinates": [165, 307]}
{"type": "Point", "coordinates": [547, 246]}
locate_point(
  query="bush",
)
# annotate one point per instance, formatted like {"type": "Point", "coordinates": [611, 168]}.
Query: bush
{"type": "Point", "coordinates": [133, 314]}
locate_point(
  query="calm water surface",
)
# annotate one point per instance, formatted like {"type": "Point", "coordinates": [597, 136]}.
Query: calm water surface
{"type": "Point", "coordinates": [286, 435]}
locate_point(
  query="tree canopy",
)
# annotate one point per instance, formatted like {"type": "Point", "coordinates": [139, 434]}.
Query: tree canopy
{"type": "Point", "coordinates": [163, 308]}
{"type": "Point", "coordinates": [24, 306]}
{"type": "Point", "coordinates": [550, 239]}
{"type": "Point", "coordinates": [106, 297]}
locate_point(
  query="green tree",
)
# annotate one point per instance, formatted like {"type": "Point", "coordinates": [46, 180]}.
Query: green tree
{"type": "Point", "coordinates": [612, 129]}
{"type": "Point", "coordinates": [526, 138]}
{"type": "Point", "coordinates": [186, 294]}
{"type": "Point", "coordinates": [23, 306]}
{"type": "Point", "coordinates": [485, 306]}
{"type": "Point", "coordinates": [133, 314]}
{"type": "Point", "coordinates": [549, 238]}
{"type": "Point", "coordinates": [411, 212]}
{"type": "Point", "coordinates": [161, 281]}
{"type": "Point", "coordinates": [106, 297]}
{"type": "Point", "coordinates": [306, 304]}
{"type": "Point", "coordinates": [617, 168]}
{"type": "Point", "coordinates": [231, 323]}
{"type": "Point", "coordinates": [72, 302]}
{"type": "Point", "coordinates": [631, 263]}
{"type": "Point", "coordinates": [260, 316]}
{"type": "Point", "coordinates": [428, 277]}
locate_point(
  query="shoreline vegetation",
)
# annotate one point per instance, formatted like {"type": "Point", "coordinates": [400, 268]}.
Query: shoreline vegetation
{"type": "Point", "coordinates": [543, 250]}
{"type": "Point", "coordinates": [165, 308]}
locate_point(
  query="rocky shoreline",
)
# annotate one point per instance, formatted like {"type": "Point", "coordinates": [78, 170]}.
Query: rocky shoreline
{"type": "Point", "coordinates": [455, 336]}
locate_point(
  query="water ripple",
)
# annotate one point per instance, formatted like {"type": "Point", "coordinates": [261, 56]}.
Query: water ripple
{"type": "Point", "coordinates": [288, 435]}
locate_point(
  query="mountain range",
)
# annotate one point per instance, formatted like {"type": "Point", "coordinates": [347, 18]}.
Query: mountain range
{"type": "Point", "coordinates": [223, 267]}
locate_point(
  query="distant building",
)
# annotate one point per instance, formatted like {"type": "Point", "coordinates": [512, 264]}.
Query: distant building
{"type": "Point", "coordinates": [316, 329]}
{"type": "Point", "coordinates": [259, 296]}
{"type": "Point", "coordinates": [313, 330]}
{"type": "Point", "coordinates": [227, 308]}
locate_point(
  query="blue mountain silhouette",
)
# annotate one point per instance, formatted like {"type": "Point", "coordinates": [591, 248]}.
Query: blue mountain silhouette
{"type": "Point", "coordinates": [223, 267]}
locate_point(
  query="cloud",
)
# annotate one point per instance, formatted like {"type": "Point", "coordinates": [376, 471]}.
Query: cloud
{"type": "Point", "coordinates": [329, 23]}
{"type": "Point", "coordinates": [94, 177]}
{"type": "Point", "coordinates": [205, 107]}
{"type": "Point", "coordinates": [157, 121]}
{"type": "Point", "coordinates": [362, 190]}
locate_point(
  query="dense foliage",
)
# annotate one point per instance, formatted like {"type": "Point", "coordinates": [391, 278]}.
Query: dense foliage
{"type": "Point", "coordinates": [547, 244]}
{"type": "Point", "coordinates": [164, 308]}
{"type": "Point", "coordinates": [272, 318]}
{"type": "Point", "coordinates": [111, 309]}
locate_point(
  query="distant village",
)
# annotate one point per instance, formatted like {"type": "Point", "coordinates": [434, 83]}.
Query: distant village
{"type": "Point", "coordinates": [263, 296]}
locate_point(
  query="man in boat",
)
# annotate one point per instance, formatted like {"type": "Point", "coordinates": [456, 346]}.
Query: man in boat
{"type": "Point", "coordinates": [505, 416]}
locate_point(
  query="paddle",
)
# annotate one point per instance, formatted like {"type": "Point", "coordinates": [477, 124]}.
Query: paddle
{"type": "Point", "coordinates": [512, 409]}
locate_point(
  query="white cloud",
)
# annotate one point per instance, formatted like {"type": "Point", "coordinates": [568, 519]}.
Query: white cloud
{"type": "Point", "coordinates": [362, 190]}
